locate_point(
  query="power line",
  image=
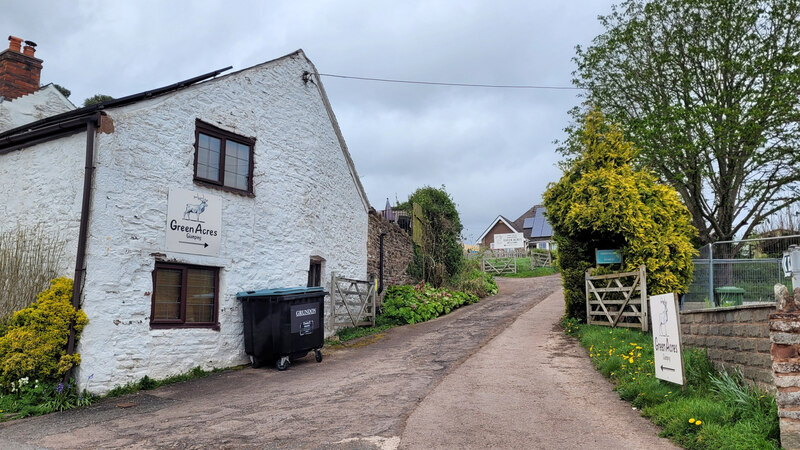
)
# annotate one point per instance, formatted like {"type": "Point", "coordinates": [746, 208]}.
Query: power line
{"type": "Point", "coordinates": [436, 83]}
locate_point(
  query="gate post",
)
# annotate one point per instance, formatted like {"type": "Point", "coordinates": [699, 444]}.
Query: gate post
{"type": "Point", "coordinates": [784, 332]}
{"type": "Point", "coordinates": [645, 300]}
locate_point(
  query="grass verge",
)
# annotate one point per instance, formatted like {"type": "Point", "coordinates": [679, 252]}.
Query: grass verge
{"type": "Point", "coordinates": [715, 410]}
{"type": "Point", "coordinates": [526, 272]}
{"type": "Point", "coordinates": [147, 383]}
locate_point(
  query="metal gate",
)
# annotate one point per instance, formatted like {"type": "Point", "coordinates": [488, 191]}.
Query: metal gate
{"type": "Point", "coordinates": [352, 303]}
{"type": "Point", "coordinates": [610, 299]}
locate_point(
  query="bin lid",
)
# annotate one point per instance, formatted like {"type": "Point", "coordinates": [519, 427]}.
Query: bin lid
{"type": "Point", "coordinates": [280, 291]}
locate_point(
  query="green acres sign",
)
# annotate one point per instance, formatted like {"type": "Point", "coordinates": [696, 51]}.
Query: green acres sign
{"type": "Point", "coordinates": [194, 222]}
{"type": "Point", "coordinates": [608, 256]}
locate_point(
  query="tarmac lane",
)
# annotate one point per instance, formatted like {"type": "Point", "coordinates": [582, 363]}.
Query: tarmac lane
{"type": "Point", "coordinates": [382, 393]}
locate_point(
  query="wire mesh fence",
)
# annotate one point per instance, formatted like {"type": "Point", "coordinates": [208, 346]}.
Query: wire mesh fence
{"type": "Point", "coordinates": [739, 272]}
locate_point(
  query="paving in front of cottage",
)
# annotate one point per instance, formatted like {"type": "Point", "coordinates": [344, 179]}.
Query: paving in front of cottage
{"type": "Point", "coordinates": [499, 374]}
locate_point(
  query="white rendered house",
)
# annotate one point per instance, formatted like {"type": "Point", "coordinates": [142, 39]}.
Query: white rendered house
{"type": "Point", "coordinates": [173, 200]}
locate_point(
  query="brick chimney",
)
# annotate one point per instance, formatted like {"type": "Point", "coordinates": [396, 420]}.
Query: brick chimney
{"type": "Point", "coordinates": [19, 70]}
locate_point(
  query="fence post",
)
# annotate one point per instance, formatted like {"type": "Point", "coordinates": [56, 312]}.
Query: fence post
{"type": "Point", "coordinates": [333, 302]}
{"type": "Point", "coordinates": [645, 300]}
{"type": "Point", "coordinates": [586, 288]}
{"type": "Point", "coordinates": [711, 274]}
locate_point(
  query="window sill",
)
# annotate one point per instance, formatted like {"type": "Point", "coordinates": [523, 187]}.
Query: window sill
{"type": "Point", "coordinates": [224, 188]}
{"type": "Point", "coordinates": [169, 326]}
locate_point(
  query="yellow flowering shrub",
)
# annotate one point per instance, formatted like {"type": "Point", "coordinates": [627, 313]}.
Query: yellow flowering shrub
{"type": "Point", "coordinates": [602, 202]}
{"type": "Point", "coordinates": [35, 343]}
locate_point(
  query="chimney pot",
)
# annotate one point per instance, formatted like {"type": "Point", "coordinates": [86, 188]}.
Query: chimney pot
{"type": "Point", "coordinates": [29, 49]}
{"type": "Point", "coordinates": [15, 44]}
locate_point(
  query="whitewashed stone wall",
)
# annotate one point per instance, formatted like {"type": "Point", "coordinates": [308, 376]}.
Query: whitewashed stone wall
{"type": "Point", "coordinates": [45, 102]}
{"type": "Point", "coordinates": [43, 187]}
{"type": "Point", "coordinates": [306, 204]}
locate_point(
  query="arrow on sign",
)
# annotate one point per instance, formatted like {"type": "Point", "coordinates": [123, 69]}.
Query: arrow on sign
{"type": "Point", "coordinates": [204, 244]}
{"type": "Point", "coordinates": [667, 368]}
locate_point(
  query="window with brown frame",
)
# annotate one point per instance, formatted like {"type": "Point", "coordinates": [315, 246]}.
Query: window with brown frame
{"type": "Point", "coordinates": [223, 159]}
{"type": "Point", "coordinates": [184, 296]}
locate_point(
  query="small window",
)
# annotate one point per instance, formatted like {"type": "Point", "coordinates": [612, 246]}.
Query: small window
{"type": "Point", "coordinates": [315, 273]}
{"type": "Point", "coordinates": [223, 158]}
{"type": "Point", "coordinates": [184, 296]}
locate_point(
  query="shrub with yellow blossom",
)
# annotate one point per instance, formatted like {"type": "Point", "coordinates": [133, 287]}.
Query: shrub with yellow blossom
{"type": "Point", "coordinates": [603, 202]}
{"type": "Point", "coordinates": [35, 342]}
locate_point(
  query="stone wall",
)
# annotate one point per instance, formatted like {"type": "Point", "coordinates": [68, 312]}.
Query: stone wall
{"type": "Point", "coordinates": [398, 251]}
{"type": "Point", "coordinates": [735, 338]}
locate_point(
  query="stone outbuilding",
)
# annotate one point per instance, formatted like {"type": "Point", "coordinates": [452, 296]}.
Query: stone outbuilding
{"type": "Point", "coordinates": [171, 201]}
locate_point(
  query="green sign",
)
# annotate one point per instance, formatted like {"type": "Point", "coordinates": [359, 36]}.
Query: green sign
{"type": "Point", "coordinates": [608, 256]}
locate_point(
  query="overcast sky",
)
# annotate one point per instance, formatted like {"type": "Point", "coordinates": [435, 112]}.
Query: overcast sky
{"type": "Point", "coordinates": [491, 148]}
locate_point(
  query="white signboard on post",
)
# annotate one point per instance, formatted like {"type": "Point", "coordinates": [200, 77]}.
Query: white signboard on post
{"type": "Point", "coordinates": [508, 240]}
{"type": "Point", "coordinates": [668, 356]}
{"type": "Point", "coordinates": [194, 222]}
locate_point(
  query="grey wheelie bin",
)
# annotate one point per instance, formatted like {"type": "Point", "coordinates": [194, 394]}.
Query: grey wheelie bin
{"type": "Point", "coordinates": [282, 325]}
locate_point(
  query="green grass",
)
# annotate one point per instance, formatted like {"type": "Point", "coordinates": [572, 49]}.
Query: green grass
{"type": "Point", "coordinates": [147, 383]}
{"type": "Point", "coordinates": [526, 272]}
{"type": "Point", "coordinates": [350, 333]}
{"type": "Point", "coordinates": [715, 410]}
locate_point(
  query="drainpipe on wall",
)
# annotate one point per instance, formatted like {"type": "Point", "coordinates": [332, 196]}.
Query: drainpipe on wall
{"type": "Point", "coordinates": [83, 231]}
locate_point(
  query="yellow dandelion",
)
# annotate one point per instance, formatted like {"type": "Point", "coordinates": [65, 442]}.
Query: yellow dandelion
{"type": "Point", "coordinates": [699, 422]}
{"type": "Point", "coordinates": [691, 420]}
{"type": "Point", "coordinates": [630, 360]}
{"type": "Point", "coordinates": [633, 343]}
{"type": "Point", "coordinates": [638, 347]}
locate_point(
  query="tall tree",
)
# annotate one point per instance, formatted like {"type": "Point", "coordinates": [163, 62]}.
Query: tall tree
{"type": "Point", "coordinates": [709, 90]}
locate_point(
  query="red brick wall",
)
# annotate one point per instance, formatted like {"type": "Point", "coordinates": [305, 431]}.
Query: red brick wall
{"type": "Point", "coordinates": [19, 74]}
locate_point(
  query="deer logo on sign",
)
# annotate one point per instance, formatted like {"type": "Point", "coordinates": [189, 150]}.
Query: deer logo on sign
{"type": "Point", "coordinates": [195, 209]}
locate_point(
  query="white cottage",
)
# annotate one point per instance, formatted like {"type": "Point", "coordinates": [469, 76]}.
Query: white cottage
{"type": "Point", "coordinates": [173, 200]}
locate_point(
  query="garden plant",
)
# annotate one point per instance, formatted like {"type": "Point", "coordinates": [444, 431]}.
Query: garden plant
{"type": "Point", "coordinates": [715, 410]}
{"type": "Point", "coordinates": [33, 357]}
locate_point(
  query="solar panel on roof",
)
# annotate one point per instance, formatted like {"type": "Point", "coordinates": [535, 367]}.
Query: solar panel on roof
{"type": "Point", "coordinates": [528, 223]}
{"type": "Point", "coordinates": [541, 227]}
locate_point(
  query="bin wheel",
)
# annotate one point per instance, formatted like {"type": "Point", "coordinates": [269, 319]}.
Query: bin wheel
{"type": "Point", "coordinates": [318, 355]}
{"type": "Point", "coordinates": [282, 364]}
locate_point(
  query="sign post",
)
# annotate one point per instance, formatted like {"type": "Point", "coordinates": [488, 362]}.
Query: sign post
{"type": "Point", "coordinates": [194, 222]}
{"type": "Point", "coordinates": [668, 356]}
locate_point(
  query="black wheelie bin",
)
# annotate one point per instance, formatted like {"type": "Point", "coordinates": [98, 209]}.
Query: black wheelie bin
{"type": "Point", "coordinates": [282, 325]}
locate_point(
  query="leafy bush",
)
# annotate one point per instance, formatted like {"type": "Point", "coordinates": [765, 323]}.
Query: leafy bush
{"type": "Point", "coordinates": [602, 202]}
{"type": "Point", "coordinates": [420, 303]}
{"type": "Point", "coordinates": [34, 345]}
{"type": "Point", "coordinates": [438, 254]}
{"type": "Point", "coordinates": [474, 281]}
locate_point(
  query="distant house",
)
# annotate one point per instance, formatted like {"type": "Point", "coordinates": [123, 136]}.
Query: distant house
{"type": "Point", "coordinates": [500, 225]}
{"type": "Point", "coordinates": [533, 225]}
{"type": "Point", "coordinates": [171, 201]}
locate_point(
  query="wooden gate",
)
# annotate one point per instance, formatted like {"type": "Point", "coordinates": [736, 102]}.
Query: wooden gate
{"type": "Point", "coordinates": [352, 303]}
{"type": "Point", "coordinates": [541, 259]}
{"type": "Point", "coordinates": [612, 300]}
{"type": "Point", "coordinates": [499, 263]}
